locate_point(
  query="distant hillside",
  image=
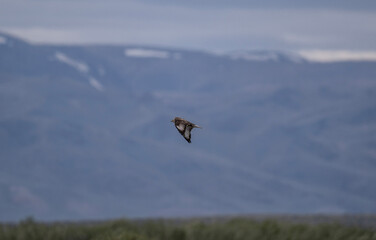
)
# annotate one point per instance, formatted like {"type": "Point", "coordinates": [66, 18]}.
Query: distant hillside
{"type": "Point", "coordinates": [85, 133]}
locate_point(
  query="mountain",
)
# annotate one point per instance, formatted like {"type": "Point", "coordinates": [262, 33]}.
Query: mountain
{"type": "Point", "coordinates": [85, 133]}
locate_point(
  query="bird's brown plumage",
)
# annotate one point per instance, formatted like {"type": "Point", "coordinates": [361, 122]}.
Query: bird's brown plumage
{"type": "Point", "coordinates": [184, 127]}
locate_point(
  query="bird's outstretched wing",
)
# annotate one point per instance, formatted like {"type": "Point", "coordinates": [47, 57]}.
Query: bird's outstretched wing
{"type": "Point", "coordinates": [180, 127]}
{"type": "Point", "coordinates": [187, 133]}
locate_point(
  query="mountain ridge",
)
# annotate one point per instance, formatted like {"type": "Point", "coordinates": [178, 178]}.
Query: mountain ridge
{"type": "Point", "coordinates": [85, 132]}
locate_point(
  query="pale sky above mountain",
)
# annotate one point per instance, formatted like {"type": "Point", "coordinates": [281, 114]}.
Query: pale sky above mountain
{"type": "Point", "coordinates": [211, 25]}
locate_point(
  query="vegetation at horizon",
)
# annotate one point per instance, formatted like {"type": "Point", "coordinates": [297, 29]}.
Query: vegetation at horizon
{"type": "Point", "coordinates": [234, 229]}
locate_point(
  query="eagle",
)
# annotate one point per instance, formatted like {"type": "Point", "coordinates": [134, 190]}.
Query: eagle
{"type": "Point", "coordinates": [184, 127]}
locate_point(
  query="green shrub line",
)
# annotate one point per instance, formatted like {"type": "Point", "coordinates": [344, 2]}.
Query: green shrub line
{"type": "Point", "coordinates": [232, 229]}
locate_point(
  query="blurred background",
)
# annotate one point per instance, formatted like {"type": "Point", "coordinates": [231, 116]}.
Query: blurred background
{"type": "Point", "coordinates": [285, 93]}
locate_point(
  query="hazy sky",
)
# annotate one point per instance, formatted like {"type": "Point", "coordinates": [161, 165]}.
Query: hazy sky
{"type": "Point", "coordinates": [217, 25]}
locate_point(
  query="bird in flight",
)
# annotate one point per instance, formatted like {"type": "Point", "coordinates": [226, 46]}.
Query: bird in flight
{"type": "Point", "coordinates": [184, 127]}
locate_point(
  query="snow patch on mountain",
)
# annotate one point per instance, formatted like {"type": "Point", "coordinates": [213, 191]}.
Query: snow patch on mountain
{"type": "Point", "coordinates": [320, 56]}
{"type": "Point", "coordinates": [83, 68]}
{"type": "Point", "coordinates": [267, 56]}
{"type": "Point", "coordinates": [327, 56]}
{"type": "Point", "coordinates": [78, 65]}
{"type": "Point", "coordinates": [264, 56]}
{"type": "Point", "coordinates": [95, 84]}
{"type": "Point", "coordinates": [146, 53]}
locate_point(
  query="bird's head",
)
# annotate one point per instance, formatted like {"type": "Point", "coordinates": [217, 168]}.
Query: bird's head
{"type": "Point", "coordinates": [173, 120]}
